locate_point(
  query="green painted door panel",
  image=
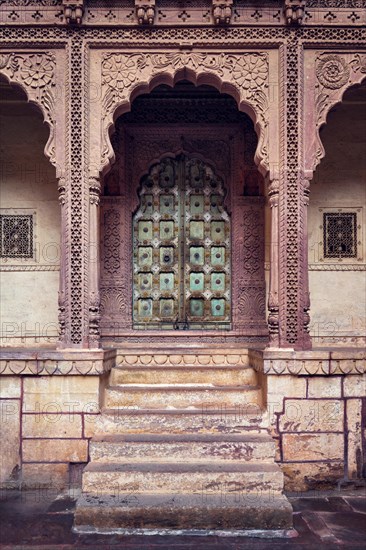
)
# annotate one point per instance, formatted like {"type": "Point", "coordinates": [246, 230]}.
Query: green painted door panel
{"type": "Point", "coordinates": [181, 248]}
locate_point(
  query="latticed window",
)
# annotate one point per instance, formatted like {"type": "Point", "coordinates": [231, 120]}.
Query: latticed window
{"type": "Point", "coordinates": [340, 234]}
{"type": "Point", "coordinates": [16, 236]}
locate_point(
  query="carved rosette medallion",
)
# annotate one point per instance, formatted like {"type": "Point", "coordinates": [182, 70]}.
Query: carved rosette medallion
{"type": "Point", "coordinates": [247, 72]}
{"type": "Point", "coordinates": [332, 71]}
{"type": "Point", "coordinates": [35, 73]}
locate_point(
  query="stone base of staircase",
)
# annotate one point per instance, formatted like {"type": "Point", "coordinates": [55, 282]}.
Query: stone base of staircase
{"type": "Point", "coordinates": [182, 447]}
{"type": "Point", "coordinates": [187, 511]}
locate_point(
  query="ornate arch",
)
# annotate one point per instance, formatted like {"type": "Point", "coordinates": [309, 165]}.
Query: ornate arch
{"type": "Point", "coordinates": [335, 73]}
{"type": "Point", "coordinates": [244, 76]}
{"type": "Point", "coordinates": [34, 73]}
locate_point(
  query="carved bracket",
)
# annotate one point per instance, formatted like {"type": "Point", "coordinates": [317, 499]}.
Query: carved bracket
{"type": "Point", "coordinates": [35, 73]}
{"type": "Point", "coordinates": [73, 11]}
{"type": "Point", "coordinates": [294, 11]}
{"type": "Point", "coordinates": [334, 73]}
{"type": "Point", "coordinates": [246, 75]}
{"type": "Point", "coordinates": [222, 11]}
{"type": "Point", "coordinates": [145, 11]}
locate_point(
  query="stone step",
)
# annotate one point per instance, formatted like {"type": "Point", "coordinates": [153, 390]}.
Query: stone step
{"type": "Point", "coordinates": [182, 447]}
{"type": "Point", "coordinates": [177, 478]}
{"type": "Point", "coordinates": [204, 420]}
{"type": "Point", "coordinates": [158, 396]}
{"type": "Point", "coordinates": [220, 375]}
{"type": "Point", "coordinates": [191, 511]}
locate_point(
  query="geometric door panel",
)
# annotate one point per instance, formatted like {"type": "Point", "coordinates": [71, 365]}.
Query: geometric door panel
{"type": "Point", "coordinates": [181, 248]}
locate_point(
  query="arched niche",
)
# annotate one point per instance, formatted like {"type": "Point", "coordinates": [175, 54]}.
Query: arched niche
{"type": "Point", "coordinates": [337, 221]}
{"type": "Point", "coordinates": [30, 224]}
{"type": "Point", "coordinates": [198, 122]}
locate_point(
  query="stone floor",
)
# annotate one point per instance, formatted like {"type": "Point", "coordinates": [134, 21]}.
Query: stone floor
{"type": "Point", "coordinates": [43, 520]}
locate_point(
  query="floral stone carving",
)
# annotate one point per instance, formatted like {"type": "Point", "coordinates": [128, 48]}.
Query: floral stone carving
{"type": "Point", "coordinates": [247, 72]}
{"type": "Point", "coordinates": [332, 72]}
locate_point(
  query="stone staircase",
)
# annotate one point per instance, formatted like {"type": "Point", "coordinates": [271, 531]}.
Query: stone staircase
{"type": "Point", "coordinates": [182, 444]}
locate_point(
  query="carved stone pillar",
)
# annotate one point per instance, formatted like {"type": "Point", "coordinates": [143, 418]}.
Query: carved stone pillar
{"type": "Point", "coordinates": [273, 295]}
{"type": "Point", "coordinates": [305, 262]}
{"type": "Point", "coordinates": [293, 199]}
{"type": "Point", "coordinates": [94, 262]}
{"type": "Point", "coordinates": [62, 302]}
{"type": "Point", "coordinates": [74, 295]}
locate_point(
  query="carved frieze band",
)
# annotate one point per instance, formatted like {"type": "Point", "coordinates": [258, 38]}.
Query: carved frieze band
{"type": "Point", "coordinates": [247, 73]}
{"type": "Point", "coordinates": [56, 367]}
{"type": "Point", "coordinates": [333, 363]}
{"type": "Point", "coordinates": [313, 367]}
{"type": "Point", "coordinates": [334, 74]}
{"type": "Point", "coordinates": [35, 73]}
{"type": "Point", "coordinates": [154, 359]}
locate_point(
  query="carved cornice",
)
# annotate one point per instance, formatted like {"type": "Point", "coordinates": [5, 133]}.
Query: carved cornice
{"type": "Point", "coordinates": [247, 73]}
{"type": "Point", "coordinates": [335, 72]}
{"type": "Point", "coordinates": [35, 73]}
{"type": "Point", "coordinates": [209, 13]}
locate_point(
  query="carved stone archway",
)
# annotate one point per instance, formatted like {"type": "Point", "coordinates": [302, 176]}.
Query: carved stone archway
{"type": "Point", "coordinates": [245, 76]}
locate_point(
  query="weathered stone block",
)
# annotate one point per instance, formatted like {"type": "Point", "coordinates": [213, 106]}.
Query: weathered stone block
{"type": "Point", "coordinates": [52, 425]}
{"type": "Point", "coordinates": [355, 385]}
{"type": "Point", "coordinates": [312, 415]}
{"type": "Point", "coordinates": [10, 439]}
{"type": "Point", "coordinates": [325, 386]}
{"type": "Point", "coordinates": [354, 438]}
{"type": "Point", "coordinates": [55, 450]}
{"type": "Point", "coordinates": [286, 386]}
{"type": "Point", "coordinates": [60, 394]}
{"type": "Point", "coordinates": [10, 386]}
{"type": "Point", "coordinates": [279, 387]}
{"type": "Point", "coordinates": [299, 447]}
{"type": "Point", "coordinates": [35, 476]}
{"type": "Point", "coordinates": [307, 476]}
